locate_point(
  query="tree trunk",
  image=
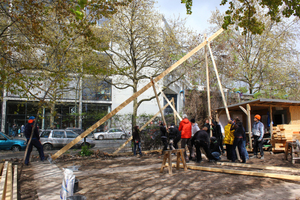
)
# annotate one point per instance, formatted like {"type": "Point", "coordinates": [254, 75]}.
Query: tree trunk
{"type": "Point", "coordinates": [135, 107]}
{"type": "Point", "coordinates": [52, 111]}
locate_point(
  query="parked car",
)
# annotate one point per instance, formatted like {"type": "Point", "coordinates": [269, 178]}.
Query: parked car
{"type": "Point", "coordinates": [58, 138]}
{"type": "Point", "coordinates": [112, 133]}
{"type": "Point", "coordinates": [9, 143]}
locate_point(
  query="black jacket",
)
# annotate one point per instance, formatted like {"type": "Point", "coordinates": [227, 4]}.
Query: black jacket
{"type": "Point", "coordinates": [238, 130]}
{"type": "Point", "coordinates": [174, 132]}
{"type": "Point", "coordinates": [28, 129]}
{"type": "Point", "coordinates": [200, 136]}
{"type": "Point", "coordinates": [136, 136]}
{"type": "Point", "coordinates": [163, 132]}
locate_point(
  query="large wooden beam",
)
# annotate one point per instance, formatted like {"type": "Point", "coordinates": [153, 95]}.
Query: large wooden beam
{"type": "Point", "coordinates": [208, 88]}
{"type": "Point", "coordinates": [249, 125]}
{"type": "Point", "coordinates": [134, 96]}
{"type": "Point", "coordinates": [9, 182]}
{"type": "Point", "coordinates": [254, 166]}
{"type": "Point", "coordinates": [246, 173]}
{"type": "Point", "coordinates": [15, 183]}
{"type": "Point", "coordinates": [175, 121]}
{"type": "Point", "coordinates": [169, 102]}
{"type": "Point", "coordinates": [129, 139]}
{"type": "Point", "coordinates": [3, 181]}
{"type": "Point", "coordinates": [158, 103]}
{"type": "Point", "coordinates": [244, 110]}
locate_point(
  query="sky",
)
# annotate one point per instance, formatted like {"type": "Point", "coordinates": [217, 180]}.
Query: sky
{"type": "Point", "coordinates": [201, 9]}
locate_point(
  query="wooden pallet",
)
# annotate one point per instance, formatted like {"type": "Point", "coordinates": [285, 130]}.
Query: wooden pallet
{"type": "Point", "coordinates": [8, 181]}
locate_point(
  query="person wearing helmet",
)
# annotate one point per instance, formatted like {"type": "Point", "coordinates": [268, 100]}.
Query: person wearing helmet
{"type": "Point", "coordinates": [258, 134]}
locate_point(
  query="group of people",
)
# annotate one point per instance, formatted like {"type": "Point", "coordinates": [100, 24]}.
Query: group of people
{"type": "Point", "coordinates": [235, 137]}
{"type": "Point", "coordinates": [193, 137]}
{"type": "Point", "coordinates": [15, 131]}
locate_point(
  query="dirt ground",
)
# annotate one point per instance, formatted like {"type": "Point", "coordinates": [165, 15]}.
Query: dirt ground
{"type": "Point", "coordinates": [129, 177]}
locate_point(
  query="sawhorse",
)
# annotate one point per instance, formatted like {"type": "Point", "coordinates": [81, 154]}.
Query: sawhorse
{"type": "Point", "coordinates": [167, 156]}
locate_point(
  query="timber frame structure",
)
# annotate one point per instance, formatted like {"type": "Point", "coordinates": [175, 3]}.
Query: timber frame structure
{"type": "Point", "coordinates": [281, 118]}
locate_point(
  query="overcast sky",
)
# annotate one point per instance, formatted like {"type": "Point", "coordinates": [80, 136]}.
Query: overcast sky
{"type": "Point", "coordinates": [201, 9]}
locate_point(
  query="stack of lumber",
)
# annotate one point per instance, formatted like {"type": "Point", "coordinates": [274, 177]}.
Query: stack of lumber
{"type": "Point", "coordinates": [283, 133]}
{"type": "Point", "coordinates": [8, 181]}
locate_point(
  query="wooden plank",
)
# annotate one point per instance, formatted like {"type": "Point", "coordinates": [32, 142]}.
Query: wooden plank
{"type": "Point", "coordinates": [158, 103]}
{"type": "Point", "coordinates": [207, 88]}
{"type": "Point", "coordinates": [287, 169]}
{"type": "Point", "coordinates": [246, 173]}
{"type": "Point", "coordinates": [134, 96]}
{"type": "Point", "coordinates": [249, 124]}
{"type": "Point", "coordinates": [3, 180]}
{"type": "Point", "coordinates": [175, 121]}
{"type": "Point", "coordinates": [244, 110]}
{"type": "Point", "coordinates": [219, 81]}
{"type": "Point", "coordinates": [15, 183]}
{"type": "Point", "coordinates": [9, 182]}
{"type": "Point", "coordinates": [129, 139]}
{"type": "Point", "coordinates": [169, 102]}
{"type": "Point", "coordinates": [1, 167]}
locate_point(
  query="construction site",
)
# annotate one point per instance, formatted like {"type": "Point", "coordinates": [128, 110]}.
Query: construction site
{"type": "Point", "coordinates": [157, 175]}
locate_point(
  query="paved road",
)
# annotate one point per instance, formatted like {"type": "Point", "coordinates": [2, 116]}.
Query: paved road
{"type": "Point", "coordinates": [108, 146]}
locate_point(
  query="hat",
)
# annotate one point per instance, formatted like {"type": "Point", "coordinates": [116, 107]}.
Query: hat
{"type": "Point", "coordinates": [193, 120]}
{"type": "Point", "coordinates": [257, 117]}
{"type": "Point", "coordinates": [184, 116]}
{"type": "Point", "coordinates": [32, 117]}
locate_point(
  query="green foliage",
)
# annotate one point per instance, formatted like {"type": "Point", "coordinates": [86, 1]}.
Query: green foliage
{"type": "Point", "coordinates": [241, 89]}
{"type": "Point", "coordinates": [85, 151]}
{"type": "Point", "coordinates": [257, 95]}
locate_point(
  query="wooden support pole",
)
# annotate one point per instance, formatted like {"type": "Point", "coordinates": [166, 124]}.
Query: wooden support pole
{"type": "Point", "coordinates": [254, 166]}
{"type": "Point", "coordinates": [219, 81]}
{"type": "Point", "coordinates": [134, 96]}
{"type": "Point", "coordinates": [249, 125]}
{"type": "Point", "coordinates": [15, 183]}
{"type": "Point", "coordinates": [246, 173]}
{"type": "Point", "coordinates": [169, 103]}
{"type": "Point", "coordinates": [9, 183]}
{"type": "Point", "coordinates": [129, 139]}
{"type": "Point", "coordinates": [175, 119]}
{"type": "Point", "coordinates": [158, 103]}
{"type": "Point", "coordinates": [208, 88]}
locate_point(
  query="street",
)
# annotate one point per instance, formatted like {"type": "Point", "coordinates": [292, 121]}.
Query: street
{"type": "Point", "coordinates": [108, 146]}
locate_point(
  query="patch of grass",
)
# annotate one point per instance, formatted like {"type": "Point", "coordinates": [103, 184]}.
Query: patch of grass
{"type": "Point", "coordinates": [85, 151]}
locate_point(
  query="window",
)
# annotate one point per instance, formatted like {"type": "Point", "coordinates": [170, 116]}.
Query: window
{"type": "Point", "coordinates": [111, 130]}
{"type": "Point", "coordinates": [45, 134]}
{"type": "Point", "coordinates": [71, 134]}
{"type": "Point", "coordinates": [58, 134]}
{"type": "Point", "coordinates": [118, 130]}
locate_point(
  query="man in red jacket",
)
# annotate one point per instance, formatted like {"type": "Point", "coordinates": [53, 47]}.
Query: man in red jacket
{"type": "Point", "coordinates": [185, 127]}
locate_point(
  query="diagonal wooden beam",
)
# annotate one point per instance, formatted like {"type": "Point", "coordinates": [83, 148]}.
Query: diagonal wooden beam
{"type": "Point", "coordinates": [157, 99]}
{"type": "Point", "coordinates": [134, 96]}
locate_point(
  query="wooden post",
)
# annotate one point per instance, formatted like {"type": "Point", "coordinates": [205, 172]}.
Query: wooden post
{"type": "Point", "coordinates": [219, 82]}
{"type": "Point", "coordinates": [249, 125]}
{"type": "Point", "coordinates": [157, 99]}
{"type": "Point", "coordinates": [208, 88]}
{"type": "Point", "coordinates": [134, 96]}
{"type": "Point", "coordinates": [175, 121]}
{"type": "Point", "coordinates": [169, 102]}
{"type": "Point", "coordinates": [271, 121]}
{"type": "Point", "coordinates": [129, 139]}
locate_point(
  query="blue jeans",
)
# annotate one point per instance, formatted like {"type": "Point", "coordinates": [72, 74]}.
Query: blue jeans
{"type": "Point", "coordinates": [238, 142]}
{"type": "Point", "coordinates": [216, 155]}
{"type": "Point", "coordinates": [245, 150]}
{"type": "Point", "coordinates": [134, 148]}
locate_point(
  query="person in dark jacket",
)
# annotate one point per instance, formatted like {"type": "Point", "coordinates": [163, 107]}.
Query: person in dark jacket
{"type": "Point", "coordinates": [238, 140]}
{"type": "Point", "coordinates": [172, 136]}
{"type": "Point", "coordinates": [177, 137]}
{"type": "Point", "coordinates": [164, 136]}
{"type": "Point", "coordinates": [136, 140]}
{"type": "Point", "coordinates": [35, 141]}
{"type": "Point", "coordinates": [215, 148]}
{"type": "Point", "coordinates": [201, 139]}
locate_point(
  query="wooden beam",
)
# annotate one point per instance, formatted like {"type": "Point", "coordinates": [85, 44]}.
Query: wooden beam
{"type": "Point", "coordinates": [287, 169]}
{"type": "Point", "coordinates": [158, 103]}
{"type": "Point", "coordinates": [129, 139]}
{"type": "Point", "coordinates": [207, 88]}
{"type": "Point", "coordinates": [271, 120]}
{"type": "Point", "coordinates": [175, 119]}
{"type": "Point", "coordinates": [246, 173]}
{"type": "Point", "coordinates": [134, 96]}
{"type": "Point", "coordinates": [249, 125]}
{"type": "Point", "coordinates": [9, 183]}
{"type": "Point", "coordinates": [15, 183]}
{"type": "Point", "coordinates": [244, 110]}
{"type": "Point", "coordinates": [169, 103]}
{"type": "Point", "coordinates": [3, 181]}
{"type": "Point", "coordinates": [219, 82]}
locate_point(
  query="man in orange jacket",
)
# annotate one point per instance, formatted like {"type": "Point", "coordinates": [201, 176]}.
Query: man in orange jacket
{"type": "Point", "coordinates": [185, 127]}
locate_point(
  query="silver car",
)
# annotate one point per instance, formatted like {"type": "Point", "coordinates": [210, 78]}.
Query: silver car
{"type": "Point", "coordinates": [112, 133]}
{"type": "Point", "coordinates": [58, 138]}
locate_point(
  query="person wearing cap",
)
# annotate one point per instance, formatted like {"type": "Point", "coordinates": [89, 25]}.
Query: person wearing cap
{"type": "Point", "coordinates": [258, 134]}
{"type": "Point", "coordinates": [35, 141]}
{"type": "Point", "coordinates": [185, 127]}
